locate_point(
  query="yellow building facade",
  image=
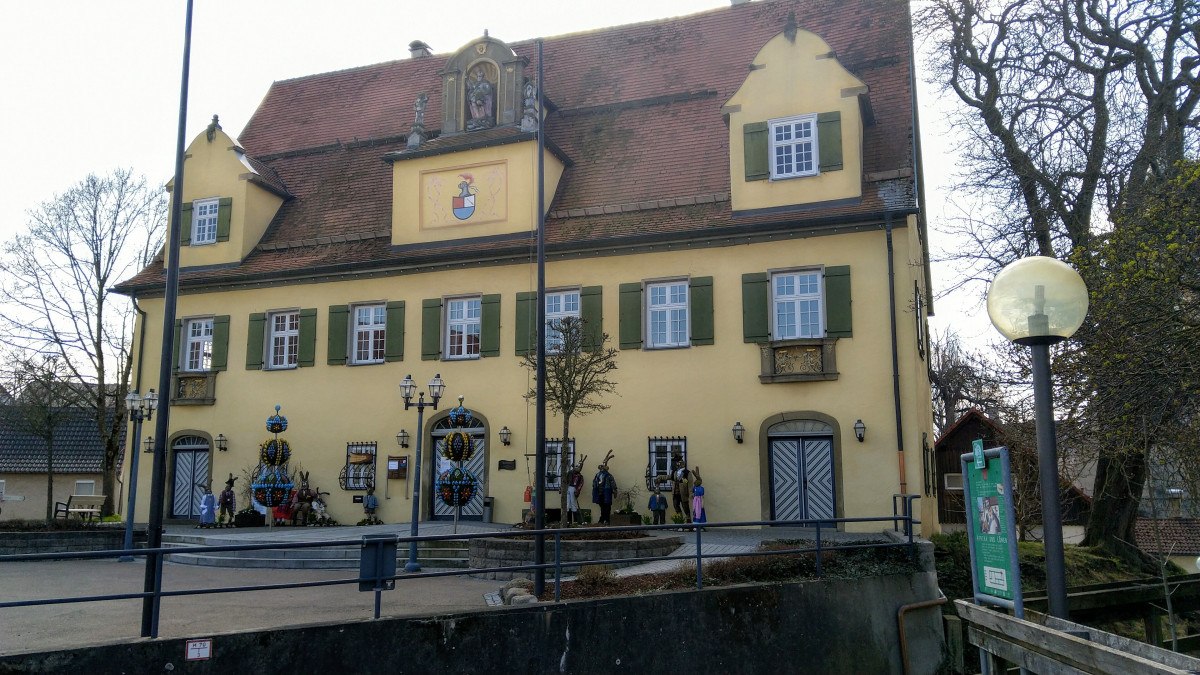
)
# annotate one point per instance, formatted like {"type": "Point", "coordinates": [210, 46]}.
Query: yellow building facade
{"type": "Point", "coordinates": [732, 197]}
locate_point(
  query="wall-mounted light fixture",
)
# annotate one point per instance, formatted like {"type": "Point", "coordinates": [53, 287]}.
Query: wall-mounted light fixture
{"type": "Point", "coordinates": [739, 432]}
{"type": "Point", "coordinates": [222, 442]}
{"type": "Point", "coordinates": [148, 444]}
{"type": "Point", "coordinates": [402, 438]}
{"type": "Point", "coordinates": [860, 430]}
{"type": "Point", "coordinates": [505, 435]}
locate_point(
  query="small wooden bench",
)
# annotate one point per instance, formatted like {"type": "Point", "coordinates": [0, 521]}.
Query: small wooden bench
{"type": "Point", "coordinates": [86, 507]}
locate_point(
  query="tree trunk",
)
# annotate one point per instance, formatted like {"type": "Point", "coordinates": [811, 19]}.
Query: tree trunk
{"type": "Point", "coordinates": [49, 478]}
{"type": "Point", "coordinates": [564, 467]}
{"type": "Point", "coordinates": [1120, 477]}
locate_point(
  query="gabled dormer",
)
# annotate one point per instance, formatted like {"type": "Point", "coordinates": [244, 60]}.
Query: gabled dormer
{"type": "Point", "coordinates": [477, 175]}
{"type": "Point", "coordinates": [229, 200]}
{"type": "Point", "coordinates": [796, 128]}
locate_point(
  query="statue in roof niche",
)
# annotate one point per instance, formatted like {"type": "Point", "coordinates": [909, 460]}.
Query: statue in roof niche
{"type": "Point", "coordinates": [481, 100]}
{"type": "Point", "coordinates": [529, 116]}
{"type": "Point", "coordinates": [417, 135]}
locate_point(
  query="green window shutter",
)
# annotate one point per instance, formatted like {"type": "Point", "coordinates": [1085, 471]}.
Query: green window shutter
{"type": "Point", "coordinates": [307, 355]}
{"type": "Point", "coordinates": [837, 301]}
{"type": "Point", "coordinates": [224, 212]}
{"type": "Point", "coordinates": [829, 140]}
{"type": "Point", "coordinates": [431, 329]}
{"type": "Point", "coordinates": [756, 297]}
{"type": "Point", "coordinates": [489, 325]}
{"type": "Point", "coordinates": [220, 346]}
{"type": "Point", "coordinates": [700, 311]}
{"type": "Point", "coordinates": [393, 348]}
{"type": "Point", "coordinates": [526, 329]}
{"type": "Point", "coordinates": [591, 310]}
{"type": "Point", "coordinates": [339, 333]}
{"type": "Point", "coordinates": [255, 343]}
{"type": "Point", "coordinates": [630, 314]}
{"type": "Point", "coordinates": [755, 147]}
{"type": "Point", "coordinates": [185, 224]}
{"type": "Point", "coordinates": [175, 346]}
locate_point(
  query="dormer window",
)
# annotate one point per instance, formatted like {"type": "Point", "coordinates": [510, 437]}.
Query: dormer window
{"type": "Point", "coordinates": [204, 221]}
{"type": "Point", "coordinates": [794, 148]}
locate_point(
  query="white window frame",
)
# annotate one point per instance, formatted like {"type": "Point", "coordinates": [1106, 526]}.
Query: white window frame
{"type": "Point", "coordinates": [954, 482]}
{"type": "Point", "coordinates": [796, 299]}
{"type": "Point", "coordinates": [668, 311]}
{"type": "Point", "coordinates": [283, 339]}
{"type": "Point", "coordinates": [198, 345]}
{"type": "Point", "coordinates": [554, 462]}
{"type": "Point", "coordinates": [792, 153]}
{"type": "Point", "coordinates": [559, 306]}
{"type": "Point", "coordinates": [466, 316]}
{"type": "Point", "coordinates": [368, 333]}
{"type": "Point", "coordinates": [89, 484]}
{"type": "Point", "coordinates": [205, 213]}
{"type": "Point", "coordinates": [660, 451]}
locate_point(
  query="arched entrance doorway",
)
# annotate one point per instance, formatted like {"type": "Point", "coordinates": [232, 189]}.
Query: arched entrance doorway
{"type": "Point", "coordinates": [189, 468]}
{"type": "Point", "coordinates": [801, 470]}
{"type": "Point", "coordinates": [477, 465]}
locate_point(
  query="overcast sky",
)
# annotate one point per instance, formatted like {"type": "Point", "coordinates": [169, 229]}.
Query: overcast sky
{"type": "Point", "coordinates": [91, 86]}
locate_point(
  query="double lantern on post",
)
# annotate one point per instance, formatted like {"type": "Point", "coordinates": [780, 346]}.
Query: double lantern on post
{"type": "Point", "coordinates": [407, 389]}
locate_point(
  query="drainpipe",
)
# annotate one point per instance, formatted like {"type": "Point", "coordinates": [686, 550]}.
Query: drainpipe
{"type": "Point", "coordinates": [895, 354]}
{"type": "Point", "coordinates": [904, 609]}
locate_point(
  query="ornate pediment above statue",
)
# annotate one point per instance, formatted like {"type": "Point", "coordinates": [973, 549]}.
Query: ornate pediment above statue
{"type": "Point", "coordinates": [482, 87]}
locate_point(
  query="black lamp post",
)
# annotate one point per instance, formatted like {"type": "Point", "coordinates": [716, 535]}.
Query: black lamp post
{"type": "Point", "coordinates": [407, 388]}
{"type": "Point", "coordinates": [139, 409]}
{"type": "Point", "coordinates": [1036, 302]}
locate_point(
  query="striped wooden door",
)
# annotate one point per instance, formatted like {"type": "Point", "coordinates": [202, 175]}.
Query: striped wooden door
{"type": "Point", "coordinates": [477, 465]}
{"type": "Point", "coordinates": [191, 467]}
{"type": "Point", "coordinates": [802, 481]}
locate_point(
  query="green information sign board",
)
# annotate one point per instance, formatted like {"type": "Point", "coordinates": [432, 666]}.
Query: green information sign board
{"type": "Point", "coordinates": [987, 490]}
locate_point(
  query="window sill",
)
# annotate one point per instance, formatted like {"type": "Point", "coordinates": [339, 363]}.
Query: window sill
{"type": "Point", "coordinates": [272, 368]}
{"type": "Point", "coordinates": [802, 360]}
{"type": "Point", "coordinates": [364, 363]}
{"type": "Point", "coordinates": [194, 388]}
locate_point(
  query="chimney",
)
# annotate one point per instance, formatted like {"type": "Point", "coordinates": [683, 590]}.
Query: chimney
{"type": "Point", "coordinates": [1174, 502]}
{"type": "Point", "coordinates": [418, 49]}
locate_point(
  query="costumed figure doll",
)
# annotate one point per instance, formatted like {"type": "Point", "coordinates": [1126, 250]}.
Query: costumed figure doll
{"type": "Point", "coordinates": [302, 505]}
{"type": "Point", "coordinates": [604, 488]}
{"type": "Point", "coordinates": [208, 506]}
{"type": "Point", "coordinates": [227, 503]}
{"type": "Point", "coordinates": [370, 504]}
{"type": "Point", "coordinates": [698, 514]}
{"type": "Point", "coordinates": [658, 506]}
{"type": "Point", "coordinates": [681, 489]}
{"type": "Point", "coordinates": [574, 487]}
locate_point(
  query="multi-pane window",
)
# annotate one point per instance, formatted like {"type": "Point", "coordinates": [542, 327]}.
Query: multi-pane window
{"type": "Point", "coordinates": [370, 332]}
{"type": "Point", "coordinates": [462, 328]}
{"type": "Point", "coordinates": [199, 335]}
{"type": "Point", "coordinates": [559, 306]}
{"type": "Point", "coordinates": [284, 339]}
{"type": "Point", "coordinates": [204, 220]}
{"type": "Point", "coordinates": [666, 454]}
{"type": "Point", "coordinates": [554, 468]}
{"type": "Point", "coordinates": [667, 314]}
{"type": "Point", "coordinates": [794, 146]}
{"type": "Point", "coordinates": [796, 298]}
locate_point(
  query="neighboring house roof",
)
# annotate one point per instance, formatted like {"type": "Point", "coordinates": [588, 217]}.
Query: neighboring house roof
{"type": "Point", "coordinates": [77, 447]}
{"type": "Point", "coordinates": [637, 115]}
{"type": "Point", "coordinates": [1168, 536]}
{"type": "Point", "coordinates": [972, 415]}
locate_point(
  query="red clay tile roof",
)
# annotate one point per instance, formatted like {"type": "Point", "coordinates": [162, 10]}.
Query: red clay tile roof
{"type": "Point", "coordinates": [637, 115]}
{"type": "Point", "coordinates": [1168, 536]}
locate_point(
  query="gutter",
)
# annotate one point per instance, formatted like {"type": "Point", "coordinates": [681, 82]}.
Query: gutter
{"type": "Point", "coordinates": [887, 224]}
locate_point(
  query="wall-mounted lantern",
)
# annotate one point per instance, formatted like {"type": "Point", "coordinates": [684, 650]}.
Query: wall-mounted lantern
{"type": "Point", "coordinates": [505, 435]}
{"type": "Point", "coordinates": [860, 430]}
{"type": "Point", "coordinates": [402, 438]}
{"type": "Point", "coordinates": [222, 443]}
{"type": "Point", "coordinates": [739, 432]}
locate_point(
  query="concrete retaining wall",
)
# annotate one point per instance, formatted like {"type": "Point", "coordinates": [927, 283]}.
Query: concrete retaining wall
{"type": "Point", "coordinates": [829, 626]}
{"type": "Point", "coordinates": [506, 551]}
{"type": "Point", "coordinates": [97, 539]}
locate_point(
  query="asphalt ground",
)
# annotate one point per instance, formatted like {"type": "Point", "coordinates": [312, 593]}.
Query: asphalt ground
{"type": "Point", "coordinates": [63, 626]}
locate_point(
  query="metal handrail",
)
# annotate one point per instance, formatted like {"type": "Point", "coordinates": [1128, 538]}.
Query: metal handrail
{"type": "Point", "coordinates": [376, 540]}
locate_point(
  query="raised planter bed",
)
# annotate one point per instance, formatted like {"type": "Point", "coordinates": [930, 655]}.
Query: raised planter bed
{"type": "Point", "coordinates": [500, 552]}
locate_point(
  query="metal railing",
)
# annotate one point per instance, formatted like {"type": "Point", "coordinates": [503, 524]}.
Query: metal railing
{"type": "Point", "coordinates": [377, 576]}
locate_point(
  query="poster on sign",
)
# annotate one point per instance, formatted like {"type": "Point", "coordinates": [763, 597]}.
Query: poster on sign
{"type": "Point", "coordinates": [991, 532]}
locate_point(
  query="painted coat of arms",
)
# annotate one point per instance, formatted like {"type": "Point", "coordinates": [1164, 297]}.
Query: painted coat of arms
{"type": "Point", "coordinates": [464, 203]}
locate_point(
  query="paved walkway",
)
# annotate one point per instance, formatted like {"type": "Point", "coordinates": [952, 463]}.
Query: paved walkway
{"type": "Point", "coordinates": [80, 624]}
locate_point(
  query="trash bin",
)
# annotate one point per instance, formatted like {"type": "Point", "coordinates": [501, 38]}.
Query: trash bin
{"type": "Point", "coordinates": [489, 503]}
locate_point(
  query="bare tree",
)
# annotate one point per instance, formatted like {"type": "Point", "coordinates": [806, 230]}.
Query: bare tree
{"type": "Point", "coordinates": [56, 290]}
{"type": "Point", "coordinates": [961, 379]}
{"type": "Point", "coordinates": [43, 397]}
{"type": "Point", "coordinates": [1072, 110]}
{"type": "Point", "coordinates": [577, 378]}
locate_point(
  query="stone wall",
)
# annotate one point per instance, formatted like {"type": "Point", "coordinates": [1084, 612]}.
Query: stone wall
{"type": "Point", "coordinates": [821, 626]}
{"type": "Point", "coordinates": [94, 539]}
{"type": "Point", "coordinates": [507, 551]}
